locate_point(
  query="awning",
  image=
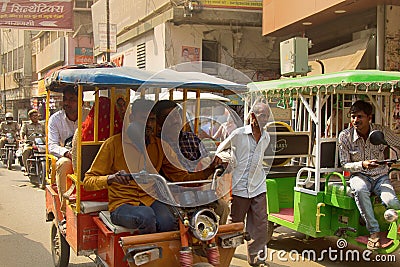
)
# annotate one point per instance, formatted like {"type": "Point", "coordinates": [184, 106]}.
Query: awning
{"type": "Point", "coordinates": [343, 57]}
{"type": "Point", "coordinates": [178, 96]}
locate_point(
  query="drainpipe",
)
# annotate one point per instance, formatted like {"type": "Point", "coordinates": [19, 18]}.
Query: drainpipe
{"type": "Point", "coordinates": [380, 37]}
{"type": "Point", "coordinates": [322, 66]}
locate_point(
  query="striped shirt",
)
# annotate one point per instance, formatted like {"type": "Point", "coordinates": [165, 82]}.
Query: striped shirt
{"type": "Point", "coordinates": [248, 175]}
{"type": "Point", "coordinates": [353, 150]}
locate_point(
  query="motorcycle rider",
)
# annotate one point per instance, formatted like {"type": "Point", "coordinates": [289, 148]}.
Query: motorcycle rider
{"type": "Point", "coordinates": [8, 126]}
{"type": "Point", "coordinates": [28, 131]}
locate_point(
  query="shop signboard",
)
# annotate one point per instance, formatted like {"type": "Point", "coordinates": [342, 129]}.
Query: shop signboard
{"type": "Point", "coordinates": [103, 37]}
{"type": "Point", "coordinates": [237, 4]}
{"type": "Point", "coordinates": [83, 55]}
{"type": "Point", "coordinates": [36, 14]}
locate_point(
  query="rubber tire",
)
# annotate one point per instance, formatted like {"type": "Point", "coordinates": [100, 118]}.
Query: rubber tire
{"type": "Point", "coordinates": [10, 159]}
{"type": "Point", "coordinates": [202, 264]}
{"type": "Point", "coordinates": [42, 175]}
{"type": "Point", "coordinates": [270, 231]}
{"type": "Point", "coordinates": [60, 249]}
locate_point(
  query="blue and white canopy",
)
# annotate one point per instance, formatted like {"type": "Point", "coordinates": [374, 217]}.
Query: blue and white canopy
{"type": "Point", "coordinates": [134, 78]}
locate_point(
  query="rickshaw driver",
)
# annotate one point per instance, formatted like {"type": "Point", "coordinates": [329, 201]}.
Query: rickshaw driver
{"type": "Point", "coordinates": [62, 126]}
{"type": "Point", "coordinates": [129, 205]}
{"type": "Point", "coordinates": [8, 126]}
{"type": "Point", "coordinates": [27, 131]}
{"type": "Point", "coordinates": [186, 145]}
{"type": "Point", "coordinates": [359, 156]}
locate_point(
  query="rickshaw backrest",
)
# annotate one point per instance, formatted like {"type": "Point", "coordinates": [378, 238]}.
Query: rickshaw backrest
{"type": "Point", "coordinates": [286, 145]}
{"type": "Point", "coordinates": [328, 153]}
{"type": "Point", "coordinates": [89, 152]}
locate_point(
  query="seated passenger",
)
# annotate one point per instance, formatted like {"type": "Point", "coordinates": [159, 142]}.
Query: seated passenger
{"type": "Point", "coordinates": [129, 205]}
{"type": "Point", "coordinates": [103, 125]}
{"type": "Point", "coordinates": [61, 127]}
{"type": "Point", "coordinates": [331, 124]}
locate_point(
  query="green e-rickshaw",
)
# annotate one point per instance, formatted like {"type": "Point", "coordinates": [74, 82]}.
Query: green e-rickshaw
{"type": "Point", "coordinates": [307, 190]}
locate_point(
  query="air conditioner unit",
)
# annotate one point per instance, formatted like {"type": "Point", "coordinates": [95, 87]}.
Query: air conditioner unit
{"type": "Point", "coordinates": [17, 77]}
{"type": "Point", "coordinates": [294, 56]}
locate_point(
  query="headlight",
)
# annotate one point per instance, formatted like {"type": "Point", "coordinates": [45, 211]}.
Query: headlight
{"type": "Point", "coordinates": [204, 224]}
{"type": "Point", "coordinates": [391, 215]}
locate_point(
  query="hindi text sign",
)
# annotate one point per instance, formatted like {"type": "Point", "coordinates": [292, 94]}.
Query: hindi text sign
{"type": "Point", "coordinates": [103, 37]}
{"type": "Point", "coordinates": [36, 14]}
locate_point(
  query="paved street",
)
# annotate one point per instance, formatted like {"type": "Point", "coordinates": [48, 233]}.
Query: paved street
{"type": "Point", "coordinates": [24, 234]}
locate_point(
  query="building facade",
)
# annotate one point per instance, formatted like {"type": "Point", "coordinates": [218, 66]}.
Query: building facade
{"type": "Point", "coordinates": [28, 55]}
{"type": "Point", "coordinates": [16, 71]}
{"type": "Point", "coordinates": [343, 34]}
{"type": "Point", "coordinates": [159, 34]}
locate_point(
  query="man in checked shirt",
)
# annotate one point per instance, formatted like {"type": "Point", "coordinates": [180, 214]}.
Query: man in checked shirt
{"type": "Point", "coordinates": [360, 157]}
{"type": "Point", "coordinates": [187, 145]}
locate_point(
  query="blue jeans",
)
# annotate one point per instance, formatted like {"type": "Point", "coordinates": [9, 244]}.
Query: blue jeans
{"type": "Point", "coordinates": [362, 186]}
{"type": "Point", "coordinates": [156, 218]}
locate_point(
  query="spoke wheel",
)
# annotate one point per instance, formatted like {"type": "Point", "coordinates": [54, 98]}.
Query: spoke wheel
{"type": "Point", "coordinates": [59, 247]}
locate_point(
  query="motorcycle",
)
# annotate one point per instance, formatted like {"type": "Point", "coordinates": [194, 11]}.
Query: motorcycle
{"type": "Point", "coordinates": [36, 163]}
{"type": "Point", "coordinates": [8, 151]}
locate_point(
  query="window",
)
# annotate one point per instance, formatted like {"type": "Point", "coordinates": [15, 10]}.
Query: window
{"type": "Point", "coordinates": [83, 3]}
{"type": "Point", "coordinates": [53, 36]}
{"type": "Point", "coordinates": [141, 56]}
{"type": "Point", "coordinates": [15, 59]}
{"type": "Point", "coordinates": [9, 61]}
{"type": "Point", "coordinates": [20, 62]}
{"type": "Point", "coordinates": [211, 54]}
{"type": "Point", "coordinates": [2, 63]}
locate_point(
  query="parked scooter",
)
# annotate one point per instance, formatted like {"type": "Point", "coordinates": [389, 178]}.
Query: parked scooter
{"type": "Point", "coordinates": [8, 151]}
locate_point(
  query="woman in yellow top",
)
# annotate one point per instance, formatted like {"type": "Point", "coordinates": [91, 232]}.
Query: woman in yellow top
{"type": "Point", "coordinates": [129, 204]}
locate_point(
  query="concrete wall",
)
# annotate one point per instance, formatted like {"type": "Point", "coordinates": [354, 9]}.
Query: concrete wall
{"type": "Point", "coordinates": [11, 39]}
{"type": "Point", "coordinates": [242, 48]}
{"type": "Point", "coordinates": [280, 13]}
{"type": "Point", "coordinates": [392, 38]}
{"type": "Point", "coordinates": [126, 54]}
{"type": "Point", "coordinates": [123, 13]}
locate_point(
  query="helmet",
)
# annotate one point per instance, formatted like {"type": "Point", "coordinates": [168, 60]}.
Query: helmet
{"type": "Point", "coordinates": [32, 111]}
{"type": "Point", "coordinates": [9, 115]}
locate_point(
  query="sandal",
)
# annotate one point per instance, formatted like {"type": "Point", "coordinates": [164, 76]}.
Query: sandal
{"type": "Point", "coordinates": [373, 243]}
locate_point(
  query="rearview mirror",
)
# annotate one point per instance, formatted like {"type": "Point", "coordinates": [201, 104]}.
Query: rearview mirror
{"type": "Point", "coordinates": [377, 138]}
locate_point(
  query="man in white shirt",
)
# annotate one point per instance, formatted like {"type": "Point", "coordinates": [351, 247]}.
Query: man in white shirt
{"type": "Point", "coordinates": [62, 126]}
{"type": "Point", "coordinates": [248, 144]}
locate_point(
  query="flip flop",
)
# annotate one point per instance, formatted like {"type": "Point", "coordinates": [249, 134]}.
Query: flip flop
{"type": "Point", "coordinates": [373, 243]}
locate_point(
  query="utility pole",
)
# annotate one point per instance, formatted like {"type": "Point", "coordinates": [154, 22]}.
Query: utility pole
{"type": "Point", "coordinates": [3, 70]}
{"type": "Point", "coordinates": [108, 30]}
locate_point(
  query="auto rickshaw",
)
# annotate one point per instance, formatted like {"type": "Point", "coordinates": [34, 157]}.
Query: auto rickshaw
{"type": "Point", "coordinates": [88, 228]}
{"type": "Point", "coordinates": [307, 190]}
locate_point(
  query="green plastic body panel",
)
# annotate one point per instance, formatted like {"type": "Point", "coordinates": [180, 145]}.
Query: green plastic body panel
{"type": "Point", "coordinates": [280, 193]}
{"type": "Point", "coordinates": [335, 195]}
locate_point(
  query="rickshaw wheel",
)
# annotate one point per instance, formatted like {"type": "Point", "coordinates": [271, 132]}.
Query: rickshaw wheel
{"type": "Point", "coordinates": [202, 264]}
{"type": "Point", "coordinates": [270, 231]}
{"type": "Point", "coordinates": [59, 247]}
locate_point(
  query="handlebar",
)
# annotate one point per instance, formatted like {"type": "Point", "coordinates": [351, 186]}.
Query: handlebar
{"type": "Point", "coordinates": [163, 186]}
{"type": "Point", "coordinates": [387, 161]}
